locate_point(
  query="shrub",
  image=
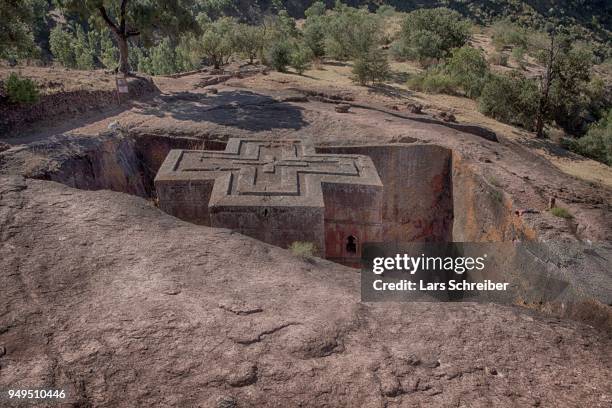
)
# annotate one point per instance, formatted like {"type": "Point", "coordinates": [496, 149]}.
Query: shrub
{"type": "Point", "coordinates": [163, 58]}
{"type": "Point", "coordinates": [316, 9]}
{"type": "Point", "coordinates": [372, 67]}
{"type": "Point", "coordinates": [510, 99]}
{"type": "Point", "coordinates": [314, 36]}
{"type": "Point", "coordinates": [303, 249]}
{"type": "Point", "coordinates": [568, 99]}
{"type": "Point", "coordinates": [385, 10]}
{"type": "Point", "coordinates": [597, 143]}
{"type": "Point", "coordinates": [561, 212]}
{"type": "Point", "coordinates": [506, 33]}
{"type": "Point", "coordinates": [351, 32]}
{"type": "Point", "coordinates": [108, 52]}
{"type": "Point", "coordinates": [187, 57]}
{"type": "Point", "coordinates": [279, 55]}
{"type": "Point", "coordinates": [21, 90]}
{"type": "Point", "coordinates": [60, 43]}
{"type": "Point", "coordinates": [249, 40]}
{"type": "Point", "coordinates": [433, 81]}
{"type": "Point", "coordinates": [217, 43]}
{"type": "Point", "coordinates": [301, 58]}
{"type": "Point", "coordinates": [433, 33]}
{"type": "Point", "coordinates": [424, 45]}
{"type": "Point", "coordinates": [468, 67]}
{"type": "Point", "coordinates": [84, 46]}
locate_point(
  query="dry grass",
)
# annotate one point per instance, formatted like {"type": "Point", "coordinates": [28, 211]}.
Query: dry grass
{"type": "Point", "coordinates": [337, 76]}
{"type": "Point", "coordinates": [303, 249]}
{"type": "Point", "coordinates": [561, 213]}
{"type": "Point", "coordinates": [57, 79]}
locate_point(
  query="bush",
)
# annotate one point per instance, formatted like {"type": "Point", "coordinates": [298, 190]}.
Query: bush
{"type": "Point", "coordinates": [303, 249]}
{"type": "Point", "coordinates": [510, 99]}
{"type": "Point", "coordinates": [84, 46]}
{"type": "Point", "coordinates": [21, 90]}
{"type": "Point", "coordinates": [60, 43]}
{"type": "Point", "coordinates": [385, 10]}
{"type": "Point", "coordinates": [433, 81]}
{"type": "Point", "coordinates": [424, 45]}
{"type": "Point", "coordinates": [279, 55]}
{"type": "Point", "coordinates": [372, 67]}
{"type": "Point", "coordinates": [506, 33]}
{"type": "Point", "coordinates": [108, 52]}
{"type": "Point", "coordinates": [249, 41]}
{"type": "Point", "coordinates": [187, 57]}
{"type": "Point", "coordinates": [316, 9]}
{"type": "Point", "coordinates": [301, 58]}
{"type": "Point", "coordinates": [314, 35]}
{"type": "Point", "coordinates": [433, 33]}
{"type": "Point", "coordinates": [351, 32]}
{"type": "Point", "coordinates": [218, 41]}
{"type": "Point", "coordinates": [568, 100]}
{"type": "Point", "coordinates": [163, 58]}
{"type": "Point", "coordinates": [468, 67]}
{"type": "Point", "coordinates": [597, 143]}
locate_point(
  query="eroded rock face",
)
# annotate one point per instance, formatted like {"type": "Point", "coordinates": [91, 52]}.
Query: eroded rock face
{"type": "Point", "coordinates": [127, 306]}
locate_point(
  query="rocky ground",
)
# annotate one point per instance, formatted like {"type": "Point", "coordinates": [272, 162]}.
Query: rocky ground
{"type": "Point", "coordinates": [126, 306]}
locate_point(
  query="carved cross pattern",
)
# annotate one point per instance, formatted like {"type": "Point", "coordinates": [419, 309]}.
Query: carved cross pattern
{"type": "Point", "coordinates": [266, 168]}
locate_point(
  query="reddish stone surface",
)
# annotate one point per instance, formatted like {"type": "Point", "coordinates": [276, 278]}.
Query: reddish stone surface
{"type": "Point", "coordinates": [278, 192]}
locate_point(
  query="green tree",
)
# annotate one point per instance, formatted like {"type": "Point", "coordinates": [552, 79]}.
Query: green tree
{"type": "Point", "coordinates": [568, 94]}
{"type": "Point", "coordinates": [564, 84]}
{"type": "Point", "coordinates": [163, 58]}
{"type": "Point", "coordinates": [316, 9]}
{"type": "Point", "coordinates": [129, 18]}
{"type": "Point", "coordinates": [60, 43]}
{"type": "Point", "coordinates": [286, 24]}
{"type": "Point", "coordinates": [351, 32]}
{"type": "Point", "coordinates": [469, 68]}
{"type": "Point", "coordinates": [21, 90]}
{"type": "Point", "coordinates": [108, 51]}
{"type": "Point", "coordinates": [300, 58]}
{"type": "Point", "coordinates": [597, 143]}
{"type": "Point", "coordinates": [17, 19]}
{"type": "Point", "coordinates": [314, 35]}
{"type": "Point", "coordinates": [217, 42]}
{"type": "Point", "coordinates": [250, 41]}
{"type": "Point", "coordinates": [371, 67]}
{"type": "Point", "coordinates": [510, 99]}
{"type": "Point", "coordinates": [187, 57]}
{"type": "Point", "coordinates": [279, 55]}
{"type": "Point", "coordinates": [84, 50]}
{"type": "Point", "coordinates": [433, 33]}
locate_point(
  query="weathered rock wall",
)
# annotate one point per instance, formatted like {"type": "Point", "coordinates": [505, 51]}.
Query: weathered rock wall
{"type": "Point", "coordinates": [565, 278]}
{"type": "Point", "coordinates": [483, 213]}
{"type": "Point", "coordinates": [105, 162]}
{"type": "Point", "coordinates": [417, 192]}
{"type": "Point", "coordinates": [64, 104]}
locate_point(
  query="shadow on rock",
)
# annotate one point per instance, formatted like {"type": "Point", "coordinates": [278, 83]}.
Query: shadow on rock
{"type": "Point", "coordinates": [240, 109]}
{"type": "Point", "coordinates": [551, 148]}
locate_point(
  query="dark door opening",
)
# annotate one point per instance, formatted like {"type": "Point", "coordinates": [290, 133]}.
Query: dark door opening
{"type": "Point", "coordinates": [351, 245]}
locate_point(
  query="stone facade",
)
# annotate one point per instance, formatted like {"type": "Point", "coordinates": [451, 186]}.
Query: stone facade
{"type": "Point", "coordinates": [278, 192]}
